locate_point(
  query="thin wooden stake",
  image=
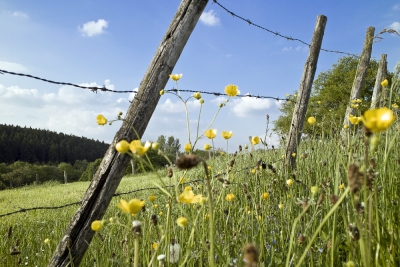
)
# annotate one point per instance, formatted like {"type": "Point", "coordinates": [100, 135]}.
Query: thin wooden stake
{"type": "Point", "coordinates": [307, 79]}
{"type": "Point", "coordinates": [380, 76]}
{"type": "Point", "coordinates": [78, 235]}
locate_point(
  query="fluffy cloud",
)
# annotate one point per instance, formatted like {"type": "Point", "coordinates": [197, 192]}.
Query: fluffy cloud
{"type": "Point", "coordinates": [93, 28]}
{"type": "Point", "coordinates": [395, 26]}
{"type": "Point", "coordinates": [178, 107]}
{"type": "Point", "coordinates": [11, 66]}
{"type": "Point", "coordinates": [209, 18]}
{"type": "Point", "coordinates": [396, 7]}
{"type": "Point", "coordinates": [250, 106]}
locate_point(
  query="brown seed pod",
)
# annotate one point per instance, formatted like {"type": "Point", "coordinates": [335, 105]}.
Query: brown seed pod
{"type": "Point", "coordinates": [187, 162]}
{"type": "Point", "coordinates": [251, 255]}
{"type": "Point", "coordinates": [170, 172]}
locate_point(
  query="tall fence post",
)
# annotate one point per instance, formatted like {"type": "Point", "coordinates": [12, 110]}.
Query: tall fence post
{"type": "Point", "coordinates": [380, 76]}
{"type": "Point", "coordinates": [361, 73]}
{"type": "Point", "coordinates": [65, 177]}
{"type": "Point", "coordinates": [74, 243]}
{"type": "Point", "coordinates": [307, 79]}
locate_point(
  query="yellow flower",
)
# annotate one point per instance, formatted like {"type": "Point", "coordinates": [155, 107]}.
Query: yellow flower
{"type": "Point", "coordinates": [154, 246]}
{"type": "Point", "coordinates": [188, 197]}
{"type": "Point", "coordinates": [378, 120]}
{"type": "Point", "coordinates": [155, 146]}
{"type": "Point", "coordinates": [201, 101]}
{"type": "Point", "coordinates": [394, 105]}
{"type": "Point", "coordinates": [311, 120]}
{"type": "Point", "coordinates": [354, 105]}
{"type": "Point", "coordinates": [385, 82]}
{"type": "Point", "coordinates": [137, 148]}
{"type": "Point", "coordinates": [354, 120]}
{"type": "Point", "coordinates": [161, 213]}
{"type": "Point", "coordinates": [229, 197]}
{"type": "Point", "coordinates": [319, 102]}
{"type": "Point", "coordinates": [314, 190]}
{"type": "Point", "coordinates": [341, 187]}
{"type": "Point", "coordinates": [155, 206]}
{"type": "Point", "coordinates": [255, 140]}
{"type": "Point", "coordinates": [122, 146]}
{"type": "Point", "coordinates": [207, 216]}
{"type": "Point", "coordinates": [293, 154]}
{"type": "Point", "coordinates": [187, 147]}
{"type": "Point", "coordinates": [232, 90]}
{"type": "Point", "coordinates": [111, 220]}
{"type": "Point", "coordinates": [280, 206]}
{"type": "Point", "coordinates": [152, 198]}
{"type": "Point", "coordinates": [253, 171]}
{"type": "Point", "coordinates": [287, 95]}
{"type": "Point", "coordinates": [131, 207]}
{"type": "Point", "coordinates": [182, 221]}
{"type": "Point", "coordinates": [289, 182]}
{"type": "Point", "coordinates": [175, 77]}
{"type": "Point", "coordinates": [162, 92]}
{"type": "Point", "coordinates": [207, 147]}
{"type": "Point", "coordinates": [197, 95]}
{"type": "Point", "coordinates": [227, 134]}
{"type": "Point", "coordinates": [358, 100]}
{"type": "Point", "coordinates": [47, 241]}
{"type": "Point", "coordinates": [346, 126]}
{"type": "Point", "coordinates": [96, 225]}
{"type": "Point", "coordinates": [211, 133]}
{"type": "Point", "coordinates": [101, 120]}
{"type": "Point", "coordinates": [265, 196]}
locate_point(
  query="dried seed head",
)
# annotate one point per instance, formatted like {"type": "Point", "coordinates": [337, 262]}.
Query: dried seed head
{"type": "Point", "coordinates": [232, 163]}
{"type": "Point", "coordinates": [187, 162]}
{"type": "Point", "coordinates": [321, 198]}
{"type": "Point", "coordinates": [154, 219]}
{"type": "Point", "coordinates": [359, 207]}
{"type": "Point", "coordinates": [300, 239]}
{"type": "Point", "coordinates": [250, 255]}
{"type": "Point", "coordinates": [244, 189]}
{"type": "Point", "coordinates": [354, 232]}
{"type": "Point", "coordinates": [240, 148]}
{"type": "Point", "coordinates": [372, 163]}
{"type": "Point", "coordinates": [224, 181]}
{"type": "Point", "coordinates": [263, 165]}
{"type": "Point", "coordinates": [334, 199]}
{"type": "Point", "coordinates": [137, 228]}
{"type": "Point", "coordinates": [370, 178]}
{"type": "Point", "coordinates": [170, 172]}
{"type": "Point", "coordinates": [355, 178]}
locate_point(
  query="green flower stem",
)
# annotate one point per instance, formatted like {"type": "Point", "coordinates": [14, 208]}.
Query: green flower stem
{"type": "Point", "coordinates": [208, 127]}
{"type": "Point", "coordinates": [333, 209]}
{"type": "Point", "coordinates": [211, 212]}
{"type": "Point", "coordinates": [198, 122]}
{"type": "Point", "coordinates": [136, 255]}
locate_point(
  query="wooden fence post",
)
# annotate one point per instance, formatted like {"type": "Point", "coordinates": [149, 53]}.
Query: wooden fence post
{"type": "Point", "coordinates": [380, 76]}
{"type": "Point", "coordinates": [79, 234]}
{"type": "Point", "coordinates": [65, 177]}
{"type": "Point", "coordinates": [133, 166]}
{"type": "Point", "coordinates": [307, 79]}
{"type": "Point", "coordinates": [360, 75]}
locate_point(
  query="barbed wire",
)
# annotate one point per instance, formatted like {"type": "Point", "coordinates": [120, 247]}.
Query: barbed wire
{"type": "Point", "coordinates": [104, 89]}
{"type": "Point", "coordinates": [289, 38]}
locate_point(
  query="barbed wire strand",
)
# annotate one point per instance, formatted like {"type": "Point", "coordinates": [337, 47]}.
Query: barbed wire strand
{"type": "Point", "coordinates": [289, 38]}
{"type": "Point", "coordinates": [104, 89]}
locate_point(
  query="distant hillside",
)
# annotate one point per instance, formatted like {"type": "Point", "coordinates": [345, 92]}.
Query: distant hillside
{"type": "Point", "coordinates": [44, 146]}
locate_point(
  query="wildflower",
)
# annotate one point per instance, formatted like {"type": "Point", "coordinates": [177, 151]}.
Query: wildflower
{"type": "Point", "coordinates": [201, 101]}
{"type": "Point", "coordinates": [385, 82]}
{"type": "Point", "coordinates": [187, 147]}
{"type": "Point", "coordinates": [152, 198]}
{"type": "Point", "coordinates": [111, 220]}
{"type": "Point", "coordinates": [232, 90]}
{"type": "Point", "coordinates": [155, 206]}
{"type": "Point", "coordinates": [137, 148]}
{"type": "Point", "coordinates": [131, 207]}
{"type": "Point", "coordinates": [341, 187]}
{"type": "Point", "coordinates": [395, 106]}
{"type": "Point", "coordinates": [207, 216]}
{"type": "Point", "coordinates": [46, 241]}
{"type": "Point", "coordinates": [175, 77]}
{"type": "Point", "coordinates": [358, 100]}
{"type": "Point", "coordinates": [255, 140]}
{"type": "Point", "coordinates": [253, 171]}
{"type": "Point", "coordinates": [137, 228]}
{"type": "Point", "coordinates": [182, 221]}
{"type": "Point", "coordinates": [378, 120]}
{"type": "Point", "coordinates": [287, 95]}
{"type": "Point", "coordinates": [289, 182]}
{"type": "Point", "coordinates": [162, 91]}
{"type": "Point", "coordinates": [197, 95]}
{"type": "Point", "coordinates": [346, 126]}
{"type": "Point", "coordinates": [314, 190]}
{"type": "Point", "coordinates": [155, 146]}
{"type": "Point", "coordinates": [227, 134]}
{"type": "Point", "coordinates": [354, 105]}
{"type": "Point", "coordinates": [154, 246]}
{"type": "Point", "coordinates": [354, 120]}
{"type": "Point", "coordinates": [311, 120]}
{"type": "Point", "coordinates": [280, 206]}
{"type": "Point", "coordinates": [251, 255]}
{"type": "Point", "coordinates": [122, 146]}
{"type": "Point", "coordinates": [188, 197]}
{"type": "Point", "coordinates": [265, 196]}
{"type": "Point", "coordinates": [101, 120]}
{"type": "Point", "coordinates": [351, 263]}
{"type": "Point", "coordinates": [207, 147]}
{"type": "Point", "coordinates": [96, 225]}
{"type": "Point", "coordinates": [293, 154]}
{"type": "Point", "coordinates": [319, 102]}
{"type": "Point", "coordinates": [229, 197]}
{"type": "Point", "coordinates": [211, 133]}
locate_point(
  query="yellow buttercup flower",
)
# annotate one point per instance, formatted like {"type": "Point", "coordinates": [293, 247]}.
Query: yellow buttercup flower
{"type": "Point", "coordinates": [122, 146]}
{"type": "Point", "coordinates": [175, 77]}
{"type": "Point", "coordinates": [265, 196]}
{"type": "Point", "coordinates": [354, 105]}
{"type": "Point", "coordinates": [207, 147]}
{"type": "Point", "coordinates": [341, 187]}
{"type": "Point", "coordinates": [378, 120]}
{"type": "Point", "coordinates": [255, 140]}
{"type": "Point", "coordinates": [229, 197]}
{"type": "Point", "coordinates": [101, 120]}
{"type": "Point", "coordinates": [131, 207]}
{"type": "Point", "coordinates": [346, 126]}
{"type": "Point", "coordinates": [227, 134]}
{"type": "Point", "coordinates": [293, 154]}
{"type": "Point", "coordinates": [319, 102]}
{"type": "Point", "coordinates": [188, 197]}
{"type": "Point", "coordinates": [280, 206]}
{"type": "Point", "coordinates": [47, 241]}
{"type": "Point", "coordinates": [154, 246]}
{"type": "Point", "coordinates": [385, 82]}
{"type": "Point", "coordinates": [152, 198]}
{"type": "Point", "coordinates": [354, 120]}
{"type": "Point", "coordinates": [211, 133]}
{"type": "Point", "coordinates": [311, 120]}
{"type": "Point", "coordinates": [155, 146]}
{"type": "Point", "coordinates": [96, 225]}
{"type": "Point", "coordinates": [137, 148]}
{"type": "Point", "coordinates": [289, 182]}
{"type": "Point", "coordinates": [314, 190]}
{"type": "Point", "coordinates": [197, 95]}
{"type": "Point", "coordinates": [182, 221]}
{"type": "Point", "coordinates": [395, 106]}
{"type": "Point", "coordinates": [253, 171]}
{"type": "Point", "coordinates": [162, 91]}
{"type": "Point", "coordinates": [187, 147]}
{"type": "Point", "coordinates": [232, 90]}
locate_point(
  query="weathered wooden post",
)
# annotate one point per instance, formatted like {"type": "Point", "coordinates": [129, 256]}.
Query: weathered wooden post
{"type": "Point", "coordinates": [307, 79]}
{"type": "Point", "coordinates": [360, 75]}
{"type": "Point", "coordinates": [65, 177]}
{"type": "Point", "coordinates": [380, 76]}
{"type": "Point", "coordinates": [133, 166]}
{"type": "Point", "coordinates": [78, 235]}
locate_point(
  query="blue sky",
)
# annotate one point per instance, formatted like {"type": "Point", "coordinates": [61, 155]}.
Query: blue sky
{"type": "Point", "coordinates": [112, 43]}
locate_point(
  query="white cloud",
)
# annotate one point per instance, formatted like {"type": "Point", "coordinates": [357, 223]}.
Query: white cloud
{"type": "Point", "coordinates": [209, 18]}
{"type": "Point", "coordinates": [396, 7]}
{"type": "Point", "coordinates": [11, 66]}
{"type": "Point", "coordinates": [395, 26]}
{"type": "Point", "coordinates": [287, 48]}
{"type": "Point", "coordinates": [249, 106]}
{"type": "Point", "coordinates": [20, 14]}
{"type": "Point", "coordinates": [93, 28]}
{"type": "Point", "coordinates": [178, 107]}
